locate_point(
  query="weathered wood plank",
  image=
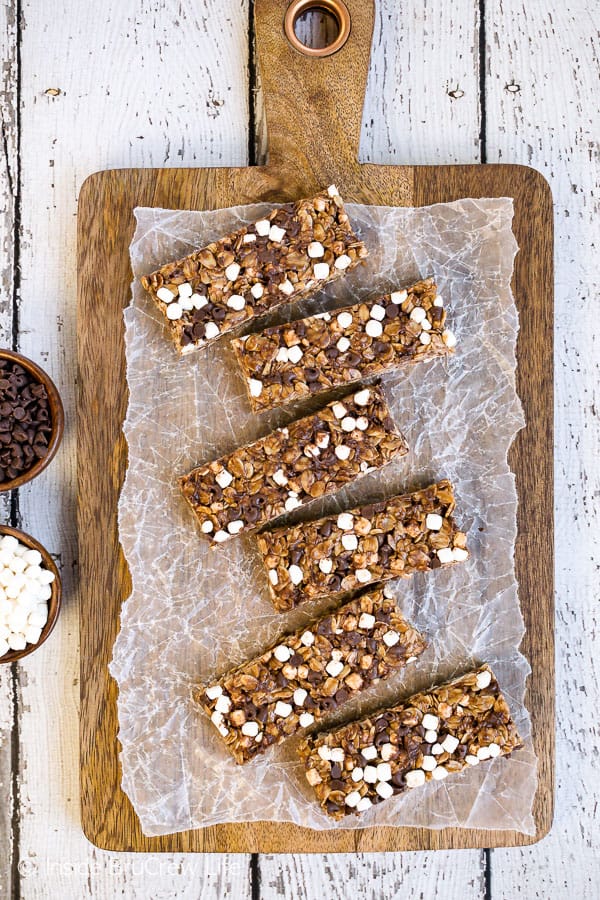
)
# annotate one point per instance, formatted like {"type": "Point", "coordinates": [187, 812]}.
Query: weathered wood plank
{"type": "Point", "coordinates": [542, 102]}
{"type": "Point", "coordinates": [8, 219]}
{"type": "Point", "coordinates": [140, 85]}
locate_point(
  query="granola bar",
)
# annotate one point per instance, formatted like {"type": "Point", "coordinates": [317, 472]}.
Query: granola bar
{"type": "Point", "coordinates": [292, 466]}
{"type": "Point", "coordinates": [291, 361]}
{"type": "Point", "coordinates": [394, 538]}
{"type": "Point", "coordinates": [310, 673]}
{"type": "Point", "coordinates": [430, 736]}
{"type": "Point", "coordinates": [294, 251]}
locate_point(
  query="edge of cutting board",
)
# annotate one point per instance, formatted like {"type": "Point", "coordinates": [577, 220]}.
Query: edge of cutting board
{"type": "Point", "coordinates": [105, 227]}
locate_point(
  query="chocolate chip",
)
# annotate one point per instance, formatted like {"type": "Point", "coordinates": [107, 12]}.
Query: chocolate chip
{"type": "Point", "coordinates": [25, 423]}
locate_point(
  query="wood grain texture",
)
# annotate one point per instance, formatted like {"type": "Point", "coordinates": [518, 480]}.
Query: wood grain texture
{"type": "Point", "coordinates": [104, 239]}
{"type": "Point", "coordinates": [385, 876]}
{"type": "Point", "coordinates": [544, 70]}
{"type": "Point", "coordinates": [9, 166]}
{"type": "Point", "coordinates": [125, 79]}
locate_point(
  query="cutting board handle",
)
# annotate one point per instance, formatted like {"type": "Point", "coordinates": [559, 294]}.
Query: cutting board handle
{"type": "Point", "coordinates": [313, 104]}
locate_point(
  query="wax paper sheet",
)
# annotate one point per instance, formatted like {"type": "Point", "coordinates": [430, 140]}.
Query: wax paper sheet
{"type": "Point", "coordinates": [195, 612]}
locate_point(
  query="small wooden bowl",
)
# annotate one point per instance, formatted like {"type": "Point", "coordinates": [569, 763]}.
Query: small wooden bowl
{"type": "Point", "coordinates": [57, 415]}
{"type": "Point", "coordinates": [53, 602]}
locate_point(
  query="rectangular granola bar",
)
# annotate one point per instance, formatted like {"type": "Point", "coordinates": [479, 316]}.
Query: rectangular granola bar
{"type": "Point", "coordinates": [293, 251]}
{"type": "Point", "coordinates": [291, 361]}
{"type": "Point", "coordinates": [292, 466]}
{"type": "Point", "coordinates": [310, 673]}
{"type": "Point", "coordinates": [394, 538]}
{"type": "Point", "coordinates": [430, 736]}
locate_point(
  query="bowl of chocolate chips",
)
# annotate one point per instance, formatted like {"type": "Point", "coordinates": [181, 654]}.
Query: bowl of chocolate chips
{"type": "Point", "coordinates": [31, 420]}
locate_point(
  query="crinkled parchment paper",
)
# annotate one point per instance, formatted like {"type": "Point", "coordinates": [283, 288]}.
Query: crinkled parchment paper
{"type": "Point", "coordinates": [195, 612]}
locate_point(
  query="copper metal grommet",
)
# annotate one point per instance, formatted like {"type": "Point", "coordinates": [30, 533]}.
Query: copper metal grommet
{"type": "Point", "coordinates": [338, 10]}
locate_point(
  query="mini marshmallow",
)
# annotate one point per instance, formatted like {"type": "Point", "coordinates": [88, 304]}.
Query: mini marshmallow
{"type": "Point", "coordinates": [326, 566]}
{"type": "Point", "coordinates": [206, 527]}
{"type": "Point", "coordinates": [439, 773]}
{"type": "Point", "coordinates": [199, 301]}
{"type": "Point", "coordinates": [484, 753]}
{"type": "Point", "coordinates": [483, 679]}
{"type": "Point", "coordinates": [174, 311]}
{"type": "Point", "coordinates": [224, 478]}
{"type": "Point", "coordinates": [232, 271]}
{"type": "Point", "coordinates": [343, 344]}
{"type": "Point", "coordinates": [471, 760]}
{"type": "Point", "coordinates": [280, 478]}
{"type": "Point", "coordinates": [450, 743]}
{"type": "Point", "coordinates": [386, 751]}
{"type": "Point", "coordinates": [256, 387]}
{"type": "Point", "coordinates": [321, 271]}
{"type": "Point", "coordinates": [307, 639]}
{"type": "Point", "coordinates": [357, 774]}
{"type": "Point", "coordinates": [295, 354]}
{"type": "Point", "coordinates": [223, 704]}
{"type": "Point", "coordinates": [315, 250]}
{"type": "Point", "coordinates": [362, 423]}
{"type": "Point", "coordinates": [249, 238]}
{"type": "Point", "coordinates": [334, 667]}
{"type": "Point", "coordinates": [276, 234]}
{"type": "Point", "coordinates": [366, 621]}
{"type": "Point", "coordinates": [374, 328]}
{"type": "Point", "coordinates": [433, 522]}
{"type": "Point", "coordinates": [165, 295]}
{"type": "Point", "coordinates": [449, 338]}
{"type": "Point", "coordinates": [332, 190]}
{"type": "Point", "coordinates": [300, 696]}
{"type": "Point", "coordinates": [377, 312]}
{"type": "Point", "coordinates": [439, 301]}
{"type": "Point", "coordinates": [384, 772]}
{"type": "Point", "coordinates": [344, 319]}
{"type": "Point", "coordinates": [296, 574]}
{"type": "Point", "coordinates": [282, 653]}
{"type": "Point", "coordinates": [430, 722]}
{"type": "Point", "coordinates": [286, 287]}
{"type": "Point", "coordinates": [370, 774]}
{"type": "Point", "coordinates": [352, 799]}
{"type": "Point", "coordinates": [348, 423]}
{"type": "Point", "coordinates": [220, 536]}
{"type": "Point", "coordinates": [349, 541]}
{"type": "Point", "coordinates": [262, 227]}
{"type": "Point", "coordinates": [236, 302]}
{"type": "Point", "coordinates": [32, 557]}
{"type": "Point", "coordinates": [342, 452]}
{"type": "Point", "coordinates": [364, 804]}
{"type": "Point", "coordinates": [336, 754]}
{"type": "Point", "coordinates": [437, 749]}
{"type": "Point", "coordinates": [292, 503]}
{"type": "Point", "coordinates": [282, 355]}
{"type": "Point", "coordinates": [391, 638]}
{"type": "Point", "coordinates": [415, 778]}
{"type": "Point", "coordinates": [250, 729]}
{"type": "Point", "coordinates": [324, 752]}
{"type": "Point", "coordinates": [273, 577]}
{"type": "Point", "coordinates": [342, 262]}
{"type": "Point", "coordinates": [429, 763]}
{"type": "Point", "coordinates": [425, 338]}
{"type": "Point", "coordinates": [306, 719]}
{"type": "Point", "coordinates": [384, 789]}
{"type": "Point", "coordinates": [282, 709]}
{"type": "Point", "coordinates": [211, 330]}
{"type": "Point", "coordinates": [213, 691]}
{"type": "Point", "coordinates": [426, 325]}
{"type": "Point", "coordinates": [418, 314]}
{"type": "Point", "coordinates": [431, 736]}
{"type": "Point", "coordinates": [345, 521]}
{"type": "Point", "coordinates": [445, 555]}
{"type": "Point", "coordinates": [398, 297]}
{"type": "Point", "coordinates": [363, 575]}
{"type": "Point", "coordinates": [257, 290]}
{"type": "Point", "coordinates": [459, 555]}
{"type": "Point", "coordinates": [361, 398]}
{"type": "Point", "coordinates": [186, 303]}
{"type": "Point", "coordinates": [235, 527]}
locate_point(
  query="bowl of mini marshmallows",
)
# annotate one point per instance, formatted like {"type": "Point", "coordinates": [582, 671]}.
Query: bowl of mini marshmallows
{"type": "Point", "coordinates": [30, 594]}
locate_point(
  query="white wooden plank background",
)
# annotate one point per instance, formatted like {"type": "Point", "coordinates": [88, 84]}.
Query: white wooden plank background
{"type": "Point", "coordinates": [135, 91]}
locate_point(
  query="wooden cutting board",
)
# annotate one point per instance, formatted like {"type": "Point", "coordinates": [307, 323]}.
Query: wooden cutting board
{"type": "Point", "coordinates": [314, 109]}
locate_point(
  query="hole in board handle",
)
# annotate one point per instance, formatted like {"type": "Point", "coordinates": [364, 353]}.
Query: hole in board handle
{"type": "Point", "coordinates": [335, 9]}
